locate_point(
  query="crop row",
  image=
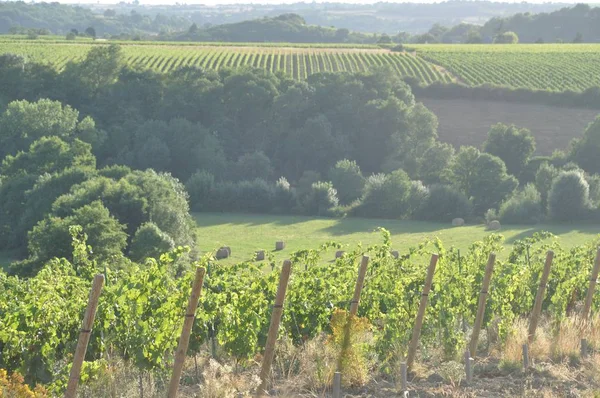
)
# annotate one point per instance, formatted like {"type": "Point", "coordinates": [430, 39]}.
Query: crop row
{"type": "Point", "coordinates": [540, 70]}
{"type": "Point", "coordinates": [298, 63]}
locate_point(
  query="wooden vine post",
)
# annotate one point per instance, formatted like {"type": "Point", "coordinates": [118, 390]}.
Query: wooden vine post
{"type": "Point", "coordinates": [414, 341]}
{"type": "Point", "coordinates": [274, 328]}
{"type": "Point", "coordinates": [539, 297]}
{"type": "Point", "coordinates": [84, 336]}
{"type": "Point", "coordinates": [590, 293]}
{"type": "Point", "coordinates": [184, 339]}
{"type": "Point", "coordinates": [489, 269]}
{"type": "Point", "coordinates": [360, 281]}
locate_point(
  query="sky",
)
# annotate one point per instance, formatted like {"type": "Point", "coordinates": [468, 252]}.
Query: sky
{"type": "Point", "coordinates": [218, 2]}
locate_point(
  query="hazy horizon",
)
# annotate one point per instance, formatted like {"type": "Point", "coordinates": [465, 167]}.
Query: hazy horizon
{"type": "Point", "coordinates": [276, 2]}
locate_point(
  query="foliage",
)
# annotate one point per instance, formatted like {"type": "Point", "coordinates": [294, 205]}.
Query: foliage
{"type": "Point", "coordinates": [320, 200]}
{"type": "Point", "coordinates": [24, 122]}
{"type": "Point", "coordinates": [14, 386]}
{"type": "Point", "coordinates": [199, 186]}
{"type": "Point", "coordinates": [149, 241]}
{"type": "Point", "coordinates": [50, 237]}
{"type": "Point", "coordinates": [349, 337]}
{"type": "Point", "coordinates": [506, 38]}
{"type": "Point", "coordinates": [444, 203]}
{"type": "Point", "coordinates": [251, 166]}
{"type": "Point", "coordinates": [482, 177]}
{"type": "Point", "coordinates": [568, 199]}
{"type": "Point", "coordinates": [524, 207]}
{"type": "Point", "coordinates": [511, 144]}
{"type": "Point", "coordinates": [543, 182]}
{"type": "Point", "coordinates": [348, 180]}
{"type": "Point", "coordinates": [141, 308]}
{"type": "Point", "coordinates": [386, 196]}
{"type": "Point", "coordinates": [585, 151]}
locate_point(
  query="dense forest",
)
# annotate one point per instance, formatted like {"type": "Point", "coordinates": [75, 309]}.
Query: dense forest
{"type": "Point", "coordinates": [249, 141]}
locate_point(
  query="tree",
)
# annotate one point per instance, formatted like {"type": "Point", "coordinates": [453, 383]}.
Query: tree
{"type": "Point", "coordinates": [568, 199]}
{"type": "Point", "coordinates": [110, 13]}
{"type": "Point", "coordinates": [511, 144]}
{"type": "Point", "coordinates": [99, 69]}
{"type": "Point", "coordinates": [434, 163]}
{"type": "Point", "coordinates": [49, 155]}
{"type": "Point", "coordinates": [578, 38]}
{"type": "Point", "coordinates": [386, 196]}
{"type": "Point", "coordinates": [506, 38]}
{"type": "Point", "coordinates": [70, 36]}
{"type": "Point", "coordinates": [24, 122]}
{"type": "Point", "coordinates": [543, 182]}
{"type": "Point", "coordinates": [320, 200]}
{"type": "Point", "coordinates": [149, 242]}
{"type": "Point", "coordinates": [51, 238]}
{"type": "Point", "coordinates": [585, 151]}
{"type": "Point", "coordinates": [443, 204]}
{"type": "Point", "coordinates": [482, 177]}
{"type": "Point", "coordinates": [524, 207]}
{"type": "Point", "coordinates": [491, 184]}
{"type": "Point", "coordinates": [193, 29]}
{"type": "Point", "coordinates": [251, 166]}
{"type": "Point", "coordinates": [91, 32]}
{"type": "Point", "coordinates": [348, 180]}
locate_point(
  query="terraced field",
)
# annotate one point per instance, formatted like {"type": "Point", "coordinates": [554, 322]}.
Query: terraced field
{"type": "Point", "coordinates": [551, 67]}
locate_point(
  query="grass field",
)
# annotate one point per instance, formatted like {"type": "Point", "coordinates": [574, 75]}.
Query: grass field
{"type": "Point", "coordinates": [246, 233]}
{"type": "Point", "coordinates": [553, 67]}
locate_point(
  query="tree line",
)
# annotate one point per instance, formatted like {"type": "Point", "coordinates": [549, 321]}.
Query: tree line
{"type": "Point", "coordinates": [118, 150]}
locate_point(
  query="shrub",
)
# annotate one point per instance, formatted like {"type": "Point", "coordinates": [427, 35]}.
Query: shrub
{"type": "Point", "coordinates": [524, 207]}
{"type": "Point", "coordinates": [256, 196]}
{"type": "Point", "coordinates": [245, 196]}
{"type": "Point", "coordinates": [149, 241]}
{"type": "Point", "coordinates": [506, 38]}
{"type": "Point", "coordinates": [51, 237]}
{"type": "Point", "coordinates": [444, 203]}
{"type": "Point", "coordinates": [284, 199]}
{"type": "Point", "coordinates": [348, 180]}
{"type": "Point", "coordinates": [418, 195]}
{"type": "Point", "coordinates": [594, 183]}
{"type": "Point", "coordinates": [386, 196]}
{"type": "Point", "coordinates": [199, 187]}
{"type": "Point", "coordinates": [320, 200]}
{"type": "Point", "coordinates": [305, 182]}
{"type": "Point", "coordinates": [568, 199]}
{"type": "Point", "coordinates": [543, 182]}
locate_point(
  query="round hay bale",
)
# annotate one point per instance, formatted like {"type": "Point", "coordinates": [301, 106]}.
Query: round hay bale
{"type": "Point", "coordinates": [260, 255]}
{"type": "Point", "coordinates": [339, 253]}
{"type": "Point", "coordinates": [222, 253]}
{"type": "Point", "coordinates": [494, 225]}
{"type": "Point", "coordinates": [458, 222]}
{"type": "Point", "coordinates": [279, 245]}
{"type": "Point", "coordinates": [395, 253]}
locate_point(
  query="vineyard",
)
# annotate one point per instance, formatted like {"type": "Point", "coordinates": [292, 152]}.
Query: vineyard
{"type": "Point", "coordinates": [141, 309]}
{"type": "Point", "coordinates": [551, 67]}
{"type": "Point", "coordinates": [295, 62]}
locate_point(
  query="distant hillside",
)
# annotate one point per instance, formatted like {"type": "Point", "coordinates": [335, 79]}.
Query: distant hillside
{"type": "Point", "coordinates": [286, 28]}
{"type": "Point", "coordinates": [580, 23]}
{"type": "Point", "coordinates": [18, 17]}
